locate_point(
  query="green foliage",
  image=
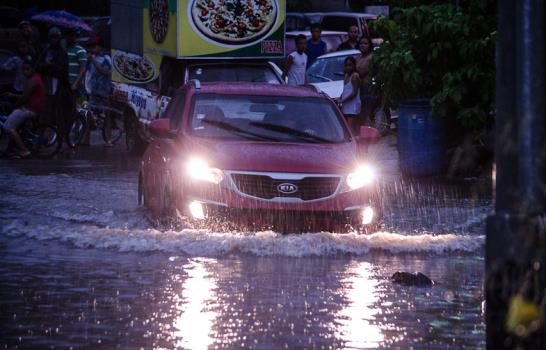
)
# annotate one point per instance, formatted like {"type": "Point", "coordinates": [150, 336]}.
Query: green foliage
{"type": "Point", "coordinates": [442, 52]}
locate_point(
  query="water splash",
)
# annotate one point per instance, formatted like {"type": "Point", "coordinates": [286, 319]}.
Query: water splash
{"type": "Point", "coordinates": [267, 243]}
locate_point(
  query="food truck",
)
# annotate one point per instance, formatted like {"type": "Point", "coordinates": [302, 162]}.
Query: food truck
{"type": "Point", "coordinates": [158, 45]}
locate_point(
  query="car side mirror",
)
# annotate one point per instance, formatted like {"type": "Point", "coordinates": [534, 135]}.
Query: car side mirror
{"type": "Point", "coordinates": [161, 128]}
{"type": "Point", "coordinates": [368, 135]}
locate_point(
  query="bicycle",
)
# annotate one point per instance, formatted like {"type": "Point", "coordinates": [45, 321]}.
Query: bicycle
{"type": "Point", "coordinates": [41, 139]}
{"type": "Point", "coordinates": [94, 116]}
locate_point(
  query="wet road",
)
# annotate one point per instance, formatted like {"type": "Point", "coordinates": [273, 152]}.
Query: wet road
{"type": "Point", "coordinates": [82, 268]}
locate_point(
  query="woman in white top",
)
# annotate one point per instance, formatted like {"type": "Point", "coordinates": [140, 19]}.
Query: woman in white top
{"type": "Point", "coordinates": [296, 63]}
{"type": "Point", "coordinates": [350, 97]}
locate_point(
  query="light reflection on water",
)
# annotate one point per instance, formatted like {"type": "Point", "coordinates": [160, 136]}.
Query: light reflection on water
{"type": "Point", "coordinates": [193, 326]}
{"type": "Point", "coordinates": [80, 267]}
{"type": "Point", "coordinates": [355, 319]}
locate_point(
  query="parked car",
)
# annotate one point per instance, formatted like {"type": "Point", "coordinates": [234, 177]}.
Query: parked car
{"type": "Point", "coordinates": [327, 72]}
{"type": "Point", "coordinates": [144, 104]}
{"type": "Point", "coordinates": [257, 155]}
{"type": "Point", "coordinates": [341, 21]}
{"type": "Point", "coordinates": [331, 38]}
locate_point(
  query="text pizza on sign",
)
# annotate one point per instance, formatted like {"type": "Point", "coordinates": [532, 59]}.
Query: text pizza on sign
{"type": "Point", "coordinates": [272, 46]}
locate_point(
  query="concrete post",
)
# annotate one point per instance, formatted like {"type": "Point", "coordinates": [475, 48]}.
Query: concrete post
{"type": "Point", "coordinates": [516, 238]}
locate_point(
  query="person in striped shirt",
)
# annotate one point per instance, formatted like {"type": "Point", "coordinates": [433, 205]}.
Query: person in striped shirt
{"type": "Point", "coordinates": [77, 61]}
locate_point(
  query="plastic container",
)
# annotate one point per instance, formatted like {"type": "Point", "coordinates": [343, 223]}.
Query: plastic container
{"type": "Point", "coordinates": [421, 146]}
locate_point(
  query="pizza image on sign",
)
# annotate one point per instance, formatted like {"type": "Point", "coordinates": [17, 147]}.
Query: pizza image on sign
{"type": "Point", "coordinates": [159, 19]}
{"type": "Point", "coordinates": [234, 22]}
{"type": "Point", "coordinates": [133, 67]}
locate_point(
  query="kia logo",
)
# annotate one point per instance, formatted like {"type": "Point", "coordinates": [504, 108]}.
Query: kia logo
{"type": "Point", "coordinates": [287, 188]}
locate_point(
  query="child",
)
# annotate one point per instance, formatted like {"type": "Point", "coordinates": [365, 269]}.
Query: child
{"type": "Point", "coordinates": [296, 63]}
{"type": "Point", "coordinates": [350, 97]}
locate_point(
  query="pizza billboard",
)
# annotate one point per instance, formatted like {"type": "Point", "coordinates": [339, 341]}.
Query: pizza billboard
{"type": "Point", "coordinates": [214, 28]}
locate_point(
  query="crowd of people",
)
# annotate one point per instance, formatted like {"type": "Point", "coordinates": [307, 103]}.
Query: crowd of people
{"type": "Point", "coordinates": [51, 80]}
{"type": "Point", "coordinates": [356, 100]}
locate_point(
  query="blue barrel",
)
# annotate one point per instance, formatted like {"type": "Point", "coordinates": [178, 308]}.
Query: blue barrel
{"type": "Point", "coordinates": [421, 147]}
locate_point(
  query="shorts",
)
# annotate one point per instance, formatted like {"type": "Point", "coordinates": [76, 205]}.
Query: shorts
{"type": "Point", "coordinates": [18, 117]}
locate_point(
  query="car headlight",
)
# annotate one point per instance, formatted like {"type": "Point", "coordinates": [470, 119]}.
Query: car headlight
{"type": "Point", "coordinates": [199, 170]}
{"type": "Point", "coordinates": [362, 176]}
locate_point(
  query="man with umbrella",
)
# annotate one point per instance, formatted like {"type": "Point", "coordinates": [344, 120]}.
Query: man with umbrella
{"type": "Point", "coordinates": [65, 97]}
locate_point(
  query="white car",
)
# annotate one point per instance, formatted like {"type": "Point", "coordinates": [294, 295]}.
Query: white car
{"type": "Point", "coordinates": [326, 73]}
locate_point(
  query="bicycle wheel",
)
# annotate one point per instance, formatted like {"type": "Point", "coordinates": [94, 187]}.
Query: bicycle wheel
{"type": "Point", "coordinates": [76, 131]}
{"type": "Point", "coordinates": [116, 123]}
{"type": "Point", "coordinates": [45, 141]}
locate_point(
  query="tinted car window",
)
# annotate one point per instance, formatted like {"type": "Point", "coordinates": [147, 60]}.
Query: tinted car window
{"type": "Point", "coordinates": [267, 118]}
{"type": "Point", "coordinates": [339, 23]}
{"type": "Point", "coordinates": [296, 23]}
{"type": "Point", "coordinates": [233, 73]}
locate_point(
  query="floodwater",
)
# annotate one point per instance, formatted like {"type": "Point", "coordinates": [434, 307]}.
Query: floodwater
{"type": "Point", "coordinates": [82, 268]}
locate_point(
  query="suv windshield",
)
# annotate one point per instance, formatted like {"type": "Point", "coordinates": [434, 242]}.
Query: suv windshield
{"type": "Point", "coordinates": [267, 118]}
{"type": "Point", "coordinates": [233, 73]}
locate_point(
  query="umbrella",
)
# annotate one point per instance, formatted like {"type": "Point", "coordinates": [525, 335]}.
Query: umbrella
{"type": "Point", "coordinates": [62, 19]}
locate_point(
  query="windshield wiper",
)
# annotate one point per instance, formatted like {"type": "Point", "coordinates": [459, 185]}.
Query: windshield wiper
{"type": "Point", "coordinates": [233, 128]}
{"type": "Point", "coordinates": [290, 131]}
{"type": "Point", "coordinates": [320, 77]}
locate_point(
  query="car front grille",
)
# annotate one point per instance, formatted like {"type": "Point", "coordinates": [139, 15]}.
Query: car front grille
{"type": "Point", "coordinates": [266, 187]}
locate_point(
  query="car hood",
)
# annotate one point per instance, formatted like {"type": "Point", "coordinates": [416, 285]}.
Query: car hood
{"type": "Point", "coordinates": [332, 88]}
{"type": "Point", "coordinates": [276, 157]}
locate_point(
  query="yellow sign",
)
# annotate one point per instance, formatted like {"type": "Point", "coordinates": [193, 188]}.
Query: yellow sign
{"type": "Point", "coordinates": [214, 28]}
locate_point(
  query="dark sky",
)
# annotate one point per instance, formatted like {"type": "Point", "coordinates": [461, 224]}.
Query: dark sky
{"type": "Point", "coordinates": [77, 7]}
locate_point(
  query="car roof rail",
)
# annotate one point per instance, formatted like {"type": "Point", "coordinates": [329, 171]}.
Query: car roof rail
{"type": "Point", "coordinates": [195, 83]}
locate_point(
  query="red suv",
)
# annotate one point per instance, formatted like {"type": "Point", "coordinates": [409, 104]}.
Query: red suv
{"type": "Point", "coordinates": [258, 156]}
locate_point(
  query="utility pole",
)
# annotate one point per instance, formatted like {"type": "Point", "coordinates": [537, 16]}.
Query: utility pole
{"type": "Point", "coordinates": [516, 233]}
